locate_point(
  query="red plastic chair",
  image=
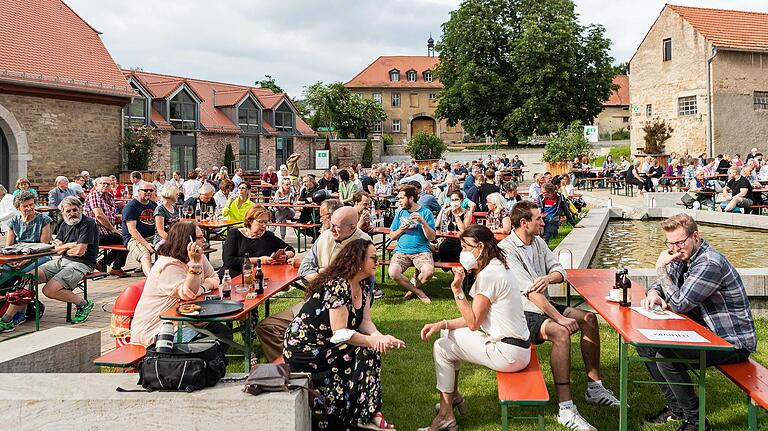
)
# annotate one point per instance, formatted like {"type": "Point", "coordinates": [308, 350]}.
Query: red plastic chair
{"type": "Point", "coordinates": [122, 313]}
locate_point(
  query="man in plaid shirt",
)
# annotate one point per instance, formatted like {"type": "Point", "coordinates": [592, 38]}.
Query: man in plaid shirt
{"type": "Point", "coordinates": [698, 281]}
{"type": "Point", "coordinates": [100, 205]}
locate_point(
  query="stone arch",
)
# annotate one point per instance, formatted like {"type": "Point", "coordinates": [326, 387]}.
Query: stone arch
{"type": "Point", "coordinates": [18, 148]}
{"type": "Point", "coordinates": [422, 121]}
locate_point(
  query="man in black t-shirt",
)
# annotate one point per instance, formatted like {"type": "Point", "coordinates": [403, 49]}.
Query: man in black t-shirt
{"type": "Point", "coordinates": [139, 227]}
{"type": "Point", "coordinates": [739, 189]}
{"type": "Point", "coordinates": [328, 182]}
{"type": "Point", "coordinates": [78, 244]}
{"type": "Point", "coordinates": [370, 181]}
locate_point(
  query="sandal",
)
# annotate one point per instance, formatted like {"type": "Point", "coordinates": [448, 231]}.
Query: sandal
{"type": "Point", "coordinates": [377, 423]}
{"type": "Point", "coordinates": [458, 403]}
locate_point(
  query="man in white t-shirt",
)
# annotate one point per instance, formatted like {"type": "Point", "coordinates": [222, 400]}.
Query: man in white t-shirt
{"type": "Point", "coordinates": [535, 267]}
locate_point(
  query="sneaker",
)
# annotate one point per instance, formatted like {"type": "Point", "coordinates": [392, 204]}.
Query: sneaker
{"type": "Point", "coordinates": [694, 426]}
{"type": "Point", "coordinates": [81, 314]}
{"type": "Point", "coordinates": [378, 294]}
{"type": "Point", "coordinates": [19, 318]}
{"type": "Point", "coordinates": [572, 419]}
{"type": "Point", "coordinates": [662, 417]}
{"type": "Point", "coordinates": [6, 326]}
{"type": "Point", "coordinates": [601, 397]}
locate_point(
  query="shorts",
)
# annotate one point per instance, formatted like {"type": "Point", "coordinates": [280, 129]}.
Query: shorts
{"type": "Point", "coordinates": [136, 249]}
{"type": "Point", "coordinates": [66, 272]}
{"type": "Point", "coordinates": [417, 260]}
{"type": "Point", "coordinates": [535, 320]}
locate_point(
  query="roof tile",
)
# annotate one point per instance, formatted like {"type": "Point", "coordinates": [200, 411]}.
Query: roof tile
{"type": "Point", "coordinates": [619, 97]}
{"type": "Point", "coordinates": [728, 28]}
{"type": "Point", "coordinates": [376, 75]}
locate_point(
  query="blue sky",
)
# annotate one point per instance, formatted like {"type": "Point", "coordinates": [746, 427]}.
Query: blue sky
{"type": "Point", "coordinates": [301, 42]}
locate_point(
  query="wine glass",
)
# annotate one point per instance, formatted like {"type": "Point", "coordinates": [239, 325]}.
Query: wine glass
{"type": "Point", "coordinates": [188, 212]}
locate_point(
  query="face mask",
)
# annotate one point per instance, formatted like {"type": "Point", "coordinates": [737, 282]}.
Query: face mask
{"type": "Point", "coordinates": [467, 260]}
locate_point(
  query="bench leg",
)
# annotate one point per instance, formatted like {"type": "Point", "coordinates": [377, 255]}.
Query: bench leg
{"type": "Point", "coordinates": [504, 418]}
{"type": "Point", "coordinates": [540, 419]}
{"type": "Point", "coordinates": [751, 414]}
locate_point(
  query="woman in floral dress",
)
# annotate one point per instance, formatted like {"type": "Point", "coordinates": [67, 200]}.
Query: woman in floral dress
{"type": "Point", "coordinates": [498, 220]}
{"type": "Point", "coordinates": [334, 339]}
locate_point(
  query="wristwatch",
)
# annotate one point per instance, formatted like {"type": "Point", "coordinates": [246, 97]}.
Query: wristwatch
{"type": "Point", "coordinates": [460, 296]}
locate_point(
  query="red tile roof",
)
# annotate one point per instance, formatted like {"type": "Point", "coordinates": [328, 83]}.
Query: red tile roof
{"type": "Point", "coordinates": [211, 117]}
{"type": "Point", "coordinates": [45, 43]}
{"type": "Point", "coordinates": [376, 75]}
{"type": "Point", "coordinates": [619, 97]}
{"type": "Point", "coordinates": [728, 28]}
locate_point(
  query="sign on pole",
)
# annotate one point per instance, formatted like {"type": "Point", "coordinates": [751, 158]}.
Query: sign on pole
{"type": "Point", "coordinates": [322, 159]}
{"type": "Point", "coordinates": [590, 134]}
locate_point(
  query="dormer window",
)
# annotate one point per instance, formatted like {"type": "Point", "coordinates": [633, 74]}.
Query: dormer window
{"type": "Point", "coordinates": [394, 75]}
{"type": "Point", "coordinates": [283, 117]}
{"type": "Point", "coordinates": [411, 75]}
{"type": "Point", "coordinates": [182, 112]}
{"type": "Point", "coordinates": [428, 76]}
{"type": "Point", "coordinates": [135, 113]}
{"type": "Point", "coordinates": [248, 116]}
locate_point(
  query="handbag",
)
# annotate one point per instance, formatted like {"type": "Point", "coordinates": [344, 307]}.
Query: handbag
{"type": "Point", "coordinates": [277, 378]}
{"type": "Point", "coordinates": [188, 367]}
{"type": "Point", "coordinates": [687, 200]}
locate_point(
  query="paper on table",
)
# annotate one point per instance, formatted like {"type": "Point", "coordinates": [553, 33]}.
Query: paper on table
{"type": "Point", "coordinates": [668, 335]}
{"type": "Point", "coordinates": [657, 316]}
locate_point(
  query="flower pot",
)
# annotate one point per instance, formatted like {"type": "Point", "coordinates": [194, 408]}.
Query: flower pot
{"type": "Point", "coordinates": [125, 176]}
{"type": "Point", "coordinates": [559, 168]}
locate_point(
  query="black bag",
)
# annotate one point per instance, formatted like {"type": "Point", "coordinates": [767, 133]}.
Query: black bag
{"type": "Point", "coordinates": [189, 367]}
{"type": "Point", "coordinates": [687, 200]}
{"type": "Point", "coordinates": [664, 181]}
{"type": "Point", "coordinates": [277, 378]}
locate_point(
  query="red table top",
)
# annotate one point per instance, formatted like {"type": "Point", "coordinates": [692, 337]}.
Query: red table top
{"type": "Point", "coordinates": [594, 284]}
{"type": "Point", "coordinates": [8, 258]}
{"type": "Point", "coordinates": [290, 205]}
{"type": "Point", "coordinates": [280, 278]}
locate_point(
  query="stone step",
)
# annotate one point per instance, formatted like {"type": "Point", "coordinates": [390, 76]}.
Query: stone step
{"type": "Point", "coordinates": [57, 350]}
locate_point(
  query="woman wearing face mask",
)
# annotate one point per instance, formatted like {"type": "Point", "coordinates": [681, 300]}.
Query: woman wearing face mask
{"type": "Point", "coordinates": [452, 218]}
{"type": "Point", "coordinates": [491, 331]}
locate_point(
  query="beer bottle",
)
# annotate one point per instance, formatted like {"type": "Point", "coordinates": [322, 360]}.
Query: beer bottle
{"type": "Point", "coordinates": [259, 278]}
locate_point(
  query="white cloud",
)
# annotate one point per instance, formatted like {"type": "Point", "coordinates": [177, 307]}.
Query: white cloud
{"type": "Point", "coordinates": [300, 42]}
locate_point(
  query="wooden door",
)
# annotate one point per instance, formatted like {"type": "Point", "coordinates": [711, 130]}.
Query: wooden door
{"type": "Point", "coordinates": [422, 124]}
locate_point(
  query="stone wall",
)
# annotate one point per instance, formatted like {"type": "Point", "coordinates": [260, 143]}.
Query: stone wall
{"type": "Point", "coordinates": [346, 151]}
{"type": "Point", "coordinates": [211, 148]}
{"type": "Point", "coordinates": [660, 83]}
{"type": "Point", "coordinates": [738, 126]}
{"type": "Point", "coordinates": [66, 137]}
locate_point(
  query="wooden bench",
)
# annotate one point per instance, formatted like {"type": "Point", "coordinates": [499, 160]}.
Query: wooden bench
{"type": "Point", "coordinates": [438, 265]}
{"type": "Point", "coordinates": [83, 285]}
{"type": "Point", "coordinates": [524, 388]}
{"type": "Point", "coordinates": [759, 208]}
{"type": "Point", "coordinates": [752, 378]}
{"type": "Point", "coordinates": [126, 357]}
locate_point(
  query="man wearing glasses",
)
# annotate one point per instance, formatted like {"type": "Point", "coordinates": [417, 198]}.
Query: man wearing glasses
{"type": "Point", "coordinates": [698, 281]}
{"type": "Point", "coordinates": [100, 206]}
{"type": "Point", "coordinates": [139, 226]}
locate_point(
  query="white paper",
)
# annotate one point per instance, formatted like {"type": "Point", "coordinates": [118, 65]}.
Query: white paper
{"type": "Point", "coordinates": [657, 316]}
{"type": "Point", "coordinates": [668, 335]}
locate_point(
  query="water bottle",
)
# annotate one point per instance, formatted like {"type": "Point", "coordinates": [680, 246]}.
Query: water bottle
{"type": "Point", "coordinates": [164, 338]}
{"type": "Point", "coordinates": [226, 284]}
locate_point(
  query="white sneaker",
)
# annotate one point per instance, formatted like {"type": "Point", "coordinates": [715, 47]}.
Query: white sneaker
{"type": "Point", "coordinates": [572, 419]}
{"type": "Point", "coordinates": [601, 397]}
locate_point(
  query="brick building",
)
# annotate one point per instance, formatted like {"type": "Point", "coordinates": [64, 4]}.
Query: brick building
{"type": "Point", "coordinates": [704, 71]}
{"type": "Point", "coordinates": [198, 118]}
{"type": "Point", "coordinates": [615, 113]}
{"type": "Point", "coordinates": [407, 89]}
{"type": "Point", "coordinates": [60, 95]}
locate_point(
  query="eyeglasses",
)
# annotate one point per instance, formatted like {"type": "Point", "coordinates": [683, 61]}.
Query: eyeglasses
{"type": "Point", "coordinates": [339, 226]}
{"type": "Point", "coordinates": [677, 244]}
{"type": "Point", "coordinates": [261, 222]}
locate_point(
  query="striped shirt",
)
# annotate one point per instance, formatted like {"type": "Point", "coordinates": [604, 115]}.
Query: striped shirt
{"type": "Point", "coordinates": [712, 289]}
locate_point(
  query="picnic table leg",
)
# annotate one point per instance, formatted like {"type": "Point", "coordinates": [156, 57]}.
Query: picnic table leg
{"type": "Point", "coordinates": [504, 417]}
{"type": "Point", "coordinates": [751, 414]}
{"type": "Point", "coordinates": [623, 383]}
{"type": "Point", "coordinates": [702, 389]}
{"type": "Point", "coordinates": [567, 294]}
{"type": "Point", "coordinates": [247, 343]}
{"type": "Point", "coordinates": [37, 299]}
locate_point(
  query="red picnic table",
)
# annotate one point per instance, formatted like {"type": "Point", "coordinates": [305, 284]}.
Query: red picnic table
{"type": "Point", "coordinates": [14, 264]}
{"type": "Point", "coordinates": [277, 278]}
{"type": "Point", "coordinates": [594, 285]}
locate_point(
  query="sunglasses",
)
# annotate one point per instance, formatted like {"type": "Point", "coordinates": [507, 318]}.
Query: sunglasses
{"type": "Point", "coordinates": [147, 190]}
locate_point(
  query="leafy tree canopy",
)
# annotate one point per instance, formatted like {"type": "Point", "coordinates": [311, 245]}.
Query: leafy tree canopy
{"type": "Point", "coordinates": [269, 82]}
{"type": "Point", "coordinates": [511, 68]}
{"type": "Point", "coordinates": [333, 105]}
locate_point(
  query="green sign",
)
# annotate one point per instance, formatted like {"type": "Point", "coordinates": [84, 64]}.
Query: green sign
{"type": "Point", "coordinates": [325, 129]}
{"type": "Point", "coordinates": [322, 159]}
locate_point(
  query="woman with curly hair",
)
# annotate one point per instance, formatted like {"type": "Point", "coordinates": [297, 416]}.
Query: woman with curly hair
{"type": "Point", "coordinates": [334, 339]}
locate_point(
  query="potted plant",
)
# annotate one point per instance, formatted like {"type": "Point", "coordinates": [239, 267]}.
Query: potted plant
{"type": "Point", "coordinates": [569, 142]}
{"type": "Point", "coordinates": [657, 132]}
{"type": "Point", "coordinates": [425, 148]}
{"type": "Point", "coordinates": [138, 144]}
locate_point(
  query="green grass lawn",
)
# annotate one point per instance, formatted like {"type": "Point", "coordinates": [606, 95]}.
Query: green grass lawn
{"type": "Point", "coordinates": [409, 375]}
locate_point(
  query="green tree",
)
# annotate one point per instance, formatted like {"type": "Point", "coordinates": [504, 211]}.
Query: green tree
{"type": "Point", "coordinates": [229, 158]}
{"type": "Point", "coordinates": [368, 154]}
{"type": "Point", "coordinates": [425, 145]}
{"type": "Point", "coordinates": [269, 82]}
{"type": "Point", "coordinates": [511, 68]}
{"type": "Point", "coordinates": [567, 144]}
{"type": "Point", "coordinates": [333, 105]}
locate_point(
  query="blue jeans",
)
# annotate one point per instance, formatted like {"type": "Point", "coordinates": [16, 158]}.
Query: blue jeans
{"type": "Point", "coordinates": [550, 229]}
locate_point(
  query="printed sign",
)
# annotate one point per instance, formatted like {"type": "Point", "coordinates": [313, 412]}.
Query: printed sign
{"type": "Point", "coordinates": [322, 159]}
{"type": "Point", "coordinates": [669, 335]}
{"type": "Point", "coordinates": [590, 134]}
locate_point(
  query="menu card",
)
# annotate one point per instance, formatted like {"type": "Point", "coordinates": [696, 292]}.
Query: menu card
{"type": "Point", "coordinates": [664, 315]}
{"type": "Point", "coordinates": [669, 335]}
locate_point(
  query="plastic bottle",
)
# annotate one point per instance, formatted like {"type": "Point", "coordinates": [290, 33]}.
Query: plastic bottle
{"type": "Point", "coordinates": [226, 285]}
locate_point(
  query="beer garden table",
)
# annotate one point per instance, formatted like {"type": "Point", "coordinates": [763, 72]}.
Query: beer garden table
{"type": "Point", "coordinates": [279, 278]}
{"type": "Point", "coordinates": [594, 285]}
{"type": "Point", "coordinates": [15, 264]}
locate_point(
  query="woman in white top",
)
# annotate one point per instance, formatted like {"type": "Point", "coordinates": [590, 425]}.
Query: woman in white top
{"type": "Point", "coordinates": [492, 330]}
{"type": "Point", "coordinates": [225, 191]}
{"type": "Point", "coordinates": [160, 182]}
{"type": "Point", "coordinates": [191, 188]}
{"type": "Point", "coordinates": [7, 210]}
{"type": "Point", "coordinates": [283, 195]}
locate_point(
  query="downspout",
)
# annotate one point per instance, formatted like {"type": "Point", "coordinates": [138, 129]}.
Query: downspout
{"type": "Point", "coordinates": [710, 138]}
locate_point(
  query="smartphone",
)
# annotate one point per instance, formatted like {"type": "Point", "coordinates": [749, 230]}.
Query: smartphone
{"type": "Point", "coordinates": [279, 254]}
